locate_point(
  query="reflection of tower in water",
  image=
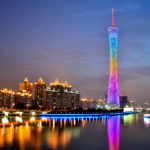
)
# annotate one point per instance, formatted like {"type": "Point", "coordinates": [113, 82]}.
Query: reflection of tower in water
{"type": "Point", "coordinates": [113, 128]}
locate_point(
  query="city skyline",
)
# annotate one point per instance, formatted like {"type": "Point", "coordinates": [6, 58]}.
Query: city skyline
{"type": "Point", "coordinates": [72, 44]}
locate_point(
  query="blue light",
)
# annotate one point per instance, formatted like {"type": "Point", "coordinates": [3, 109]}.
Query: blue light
{"type": "Point", "coordinates": [81, 116]}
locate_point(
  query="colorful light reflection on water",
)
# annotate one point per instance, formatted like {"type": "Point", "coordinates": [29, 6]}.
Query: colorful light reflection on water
{"type": "Point", "coordinates": [113, 127]}
{"type": "Point", "coordinates": [147, 122]}
{"type": "Point", "coordinates": [67, 133]}
{"type": "Point", "coordinates": [128, 119]}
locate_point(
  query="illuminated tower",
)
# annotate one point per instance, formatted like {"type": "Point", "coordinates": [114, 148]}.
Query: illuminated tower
{"type": "Point", "coordinates": [113, 90]}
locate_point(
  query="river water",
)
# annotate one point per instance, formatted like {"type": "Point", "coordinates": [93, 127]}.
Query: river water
{"type": "Point", "coordinates": [128, 132]}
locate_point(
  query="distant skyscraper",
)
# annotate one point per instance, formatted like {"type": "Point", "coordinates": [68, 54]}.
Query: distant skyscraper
{"type": "Point", "coordinates": [113, 90]}
{"type": "Point", "coordinates": [39, 88]}
{"type": "Point", "coordinates": [123, 101]}
{"type": "Point", "coordinates": [25, 86]}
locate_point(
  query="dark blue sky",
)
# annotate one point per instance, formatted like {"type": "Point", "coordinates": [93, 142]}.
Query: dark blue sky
{"type": "Point", "coordinates": [68, 39]}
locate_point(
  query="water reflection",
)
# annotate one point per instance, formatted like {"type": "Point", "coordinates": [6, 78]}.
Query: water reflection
{"type": "Point", "coordinates": [128, 119]}
{"type": "Point", "coordinates": [34, 133]}
{"type": "Point", "coordinates": [147, 122]}
{"type": "Point", "coordinates": [61, 132]}
{"type": "Point", "coordinates": [113, 127]}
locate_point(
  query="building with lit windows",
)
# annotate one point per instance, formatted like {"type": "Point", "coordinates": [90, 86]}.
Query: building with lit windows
{"type": "Point", "coordinates": [100, 103]}
{"type": "Point", "coordinates": [92, 104]}
{"type": "Point", "coordinates": [24, 96]}
{"type": "Point", "coordinates": [39, 88]}
{"type": "Point", "coordinates": [23, 100]}
{"type": "Point", "coordinates": [7, 98]}
{"type": "Point", "coordinates": [85, 103]}
{"type": "Point", "coordinates": [10, 99]}
{"type": "Point", "coordinates": [25, 86]}
{"type": "Point", "coordinates": [61, 96]}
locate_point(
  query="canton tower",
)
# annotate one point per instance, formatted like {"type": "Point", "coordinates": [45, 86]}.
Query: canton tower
{"type": "Point", "coordinates": [113, 90]}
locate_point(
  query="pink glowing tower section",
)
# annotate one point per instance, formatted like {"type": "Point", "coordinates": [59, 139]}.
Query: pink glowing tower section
{"type": "Point", "coordinates": [113, 129]}
{"type": "Point", "coordinates": [113, 90]}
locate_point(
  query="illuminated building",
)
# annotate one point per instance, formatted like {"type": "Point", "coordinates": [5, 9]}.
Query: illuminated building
{"type": "Point", "coordinates": [10, 99]}
{"type": "Point", "coordinates": [100, 103]}
{"type": "Point", "coordinates": [92, 104]}
{"type": "Point", "coordinates": [25, 86]}
{"type": "Point", "coordinates": [39, 88]}
{"type": "Point", "coordinates": [132, 103]}
{"type": "Point", "coordinates": [61, 96]}
{"type": "Point", "coordinates": [7, 98]}
{"type": "Point", "coordinates": [24, 96]}
{"type": "Point", "coordinates": [84, 103]}
{"type": "Point", "coordinates": [23, 99]}
{"type": "Point", "coordinates": [113, 90]}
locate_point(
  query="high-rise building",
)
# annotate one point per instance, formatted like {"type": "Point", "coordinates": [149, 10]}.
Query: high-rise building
{"type": "Point", "coordinates": [23, 100]}
{"type": "Point", "coordinates": [123, 101]}
{"type": "Point", "coordinates": [61, 96]}
{"type": "Point", "coordinates": [7, 98]}
{"type": "Point", "coordinates": [88, 103]}
{"type": "Point", "coordinates": [25, 86]}
{"type": "Point", "coordinates": [10, 99]}
{"type": "Point", "coordinates": [39, 88]}
{"type": "Point", "coordinates": [113, 90]}
{"type": "Point", "coordinates": [85, 103]}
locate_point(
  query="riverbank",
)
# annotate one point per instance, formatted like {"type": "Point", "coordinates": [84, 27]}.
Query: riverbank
{"type": "Point", "coordinates": [64, 113]}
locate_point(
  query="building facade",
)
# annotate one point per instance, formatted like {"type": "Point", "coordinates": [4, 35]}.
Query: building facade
{"type": "Point", "coordinates": [24, 96]}
{"type": "Point", "coordinates": [39, 88]}
{"type": "Point", "coordinates": [7, 99]}
{"type": "Point", "coordinates": [85, 103]}
{"type": "Point", "coordinates": [23, 100]}
{"type": "Point", "coordinates": [61, 96]}
{"type": "Point", "coordinates": [10, 99]}
{"type": "Point", "coordinates": [124, 101]}
{"type": "Point", "coordinates": [25, 86]}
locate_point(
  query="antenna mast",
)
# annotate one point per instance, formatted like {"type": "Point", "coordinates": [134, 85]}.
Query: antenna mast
{"type": "Point", "coordinates": [113, 23]}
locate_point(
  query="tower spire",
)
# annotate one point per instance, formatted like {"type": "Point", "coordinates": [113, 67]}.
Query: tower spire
{"type": "Point", "coordinates": [113, 23]}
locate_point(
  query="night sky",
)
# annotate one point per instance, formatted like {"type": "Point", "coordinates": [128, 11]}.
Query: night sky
{"type": "Point", "coordinates": [68, 39]}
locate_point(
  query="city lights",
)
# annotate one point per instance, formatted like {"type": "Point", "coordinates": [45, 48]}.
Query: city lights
{"type": "Point", "coordinates": [128, 109]}
{"type": "Point", "coordinates": [71, 81]}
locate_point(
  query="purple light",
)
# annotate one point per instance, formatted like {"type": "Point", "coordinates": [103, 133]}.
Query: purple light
{"type": "Point", "coordinates": [113, 128]}
{"type": "Point", "coordinates": [113, 89]}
